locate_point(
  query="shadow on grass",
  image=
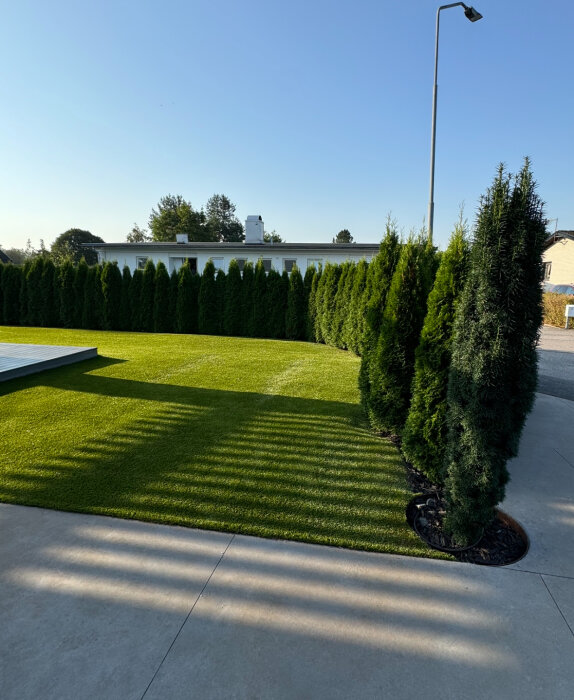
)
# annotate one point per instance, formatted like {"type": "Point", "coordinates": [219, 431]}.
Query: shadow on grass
{"type": "Point", "coordinates": [259, 464]}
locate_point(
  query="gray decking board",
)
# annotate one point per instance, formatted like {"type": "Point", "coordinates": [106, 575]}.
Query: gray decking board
{"type": "Point", "coordinates": [20, 359]}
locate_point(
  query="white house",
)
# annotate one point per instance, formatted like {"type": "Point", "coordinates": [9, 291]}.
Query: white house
{"type": "Point", "coordinates": [279, 256]}
{"type": "Point", "coordinates": [558, 258]}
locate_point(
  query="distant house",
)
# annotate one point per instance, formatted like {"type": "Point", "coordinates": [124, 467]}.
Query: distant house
{"type": "Point", "coordinates": [4, 258]}
{"type": "Point", "coordinates": [279, 256]}
{"type": "Point", "coordinates": [558, 258]}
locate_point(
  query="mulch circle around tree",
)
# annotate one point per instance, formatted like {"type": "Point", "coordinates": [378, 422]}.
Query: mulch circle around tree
{"type": "Point", "coordinates": [503, 542]}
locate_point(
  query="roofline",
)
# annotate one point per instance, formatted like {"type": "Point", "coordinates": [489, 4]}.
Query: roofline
{"type": "Point", "coordinates": [237, 246]}
{"type": "Point", "coordinates": [558, 236]}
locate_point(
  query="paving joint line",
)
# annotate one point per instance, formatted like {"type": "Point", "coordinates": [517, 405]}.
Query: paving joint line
{"type": "Point", "coordinates": [187, 618]}
{"type": "Point", "coordinates": [556, 604]}
{"type": "Point", "coordinates": [539, 573]}
{"type": "Point", "coordinates": [564, 458]}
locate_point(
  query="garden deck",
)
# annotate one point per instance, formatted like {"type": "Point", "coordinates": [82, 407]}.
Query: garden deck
{"type": "Point", "coordinates": [20, 359]}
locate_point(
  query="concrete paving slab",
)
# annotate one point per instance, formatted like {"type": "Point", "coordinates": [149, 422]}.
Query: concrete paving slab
{"type": "Point", "coordinates": [288, 620]}
{"type": "Point", "coordinates": [540, 494]}
{"type": "Point", "coordinates": [90, 605]}
{"type": "Point", "coordinates": [562, 591]}
{"type": "Point", "coordinates": [21, 359]}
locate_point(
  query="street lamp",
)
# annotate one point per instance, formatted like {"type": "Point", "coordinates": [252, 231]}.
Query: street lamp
{"type": "Point", "coordinates": [471, 14]}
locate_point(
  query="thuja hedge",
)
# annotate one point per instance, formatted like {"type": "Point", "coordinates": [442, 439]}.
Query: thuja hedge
{"type": "Point", "coordinates": [101, 297]}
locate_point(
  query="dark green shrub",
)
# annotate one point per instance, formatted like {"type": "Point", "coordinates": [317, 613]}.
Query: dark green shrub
{"type": "Point", "coordinates": [92, 307]}
{"type": "Point", "coordinates": [493, 368]}
{"type": "Point", "coordinates": [50, 303]}
{"type": "Point", "coordinates": [425, 433]}
{"type": "Point", "coordinates": [276, 305]}
{"type": "Point", "coordinates": [111, 280]}
{"type": "Point", "coordinates": [353, 321]}
{"type": "Point", "coordinates": [247, 299]}
{"type": "Point", "coordinates": [379, 276]}
{"type": "Point", "coordinates": [392, 363]}
{"type": "Point", "coordinates": [148, 297]}
{"type": "Point", "coordinates": [207, 301]}
{"type": "Point", "coordinates": [125, 303]}
{"type": "Point", "coordinates": [312, 307]}
{"type": "Point", "coordinates": [161, 300]}
{"type": "Point", "coordinates": [66, 276]}
{"type": "Point", "coordinates": [232, 308]}
{"type": "Point", "coordinates": [173, 285]}
{"type": "Point", "coordinates": [295, 325]}
{"type": "Point", "coordinates": [330, 282]}
{"type": "Point", "coordinates": [135, 294]}
{"type": "Point", "coordinates": [12, 277]}
{"type": "Point", "coordinates": [80, 275]}
{"type": "Point", "coordinates": [34, 292]}
{"type": "Point", "coordinates": [184, 303]}
{"type": "Point", "coordinates": [258, 327]}
{"type": "Point", "coordinates": [220, 284]}
{"type": "Point", "coordinates": [342, 304]}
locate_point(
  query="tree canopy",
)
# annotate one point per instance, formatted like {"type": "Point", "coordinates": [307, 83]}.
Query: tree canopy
{"type": "Point", "coordinates": [68, 245]}
{"type": "Point", "coordinates": [344, 236]}
{"type": "Point", "coordinates": [221, 220]}
{"type": "Point", "coordinates": [175, 215]}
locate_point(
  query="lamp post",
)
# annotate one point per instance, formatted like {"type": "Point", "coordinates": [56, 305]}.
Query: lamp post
{"type": "Point", "coordinates": [472, 15]}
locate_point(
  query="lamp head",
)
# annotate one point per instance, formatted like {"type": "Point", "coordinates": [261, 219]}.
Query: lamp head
{"type": "Point", "coordinates": [472, 14]}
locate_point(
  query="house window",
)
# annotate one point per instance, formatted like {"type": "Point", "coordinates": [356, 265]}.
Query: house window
{"type": "Point", "coordinates": [217, 263]}
{"type": "Point", "coordinates": [267, 265]}
{"type": "Point", "coordinates": [241, 263]}
{"type": "Point", "coordinates": [315, 262]}
{"type": "Point", "coordinates": [547, 269]}
{"type": "Point", "coordinates": [288, 264]}
{"type": "Point", "coordinates": [192, 262]}
{"type": "Point", "coordinates": [141, 263]}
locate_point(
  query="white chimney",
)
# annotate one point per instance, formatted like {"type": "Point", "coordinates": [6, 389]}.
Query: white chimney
{"type": "Point", "coordinates": [182, 238]}
{"type": "Point", "coordinates": [254, 229]}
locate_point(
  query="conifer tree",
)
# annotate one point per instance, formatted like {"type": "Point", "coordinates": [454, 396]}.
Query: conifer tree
{"type": "Point", "coordinates": [161, 319]}
{"type": "Point", "coordinates": [330, 279]}
{"type": "Point", "coordinates": [194, 308]}
{"type": "Point", "coordinates": [232, 307]}
{"type": "Point", "coordinates": [312, 307]}
{"type": "Point", "coordinates": [392, 364]}
{"type": "Point", "coordinates": [184, 300]}
{"type": "Point", "coordinates": [80, 274]}
{"type": "Point", "coordinates": [493, 370]}
{"type": "Point", "coordinates": [34, 292]}
{"type": "Point", "coordinates": [247, 299]}
{"type": "Point", "coordinates": [258, 328]}
{"type": "Point", "coordinates": [342, 304]}
{"type": "Point", "coordinates": [353, 320]}
{"type": "Point", "coordinates": [125, 303]}
{"type": "Point", "coordinates": [295, 317]}
{"type": "Point", "coordinates": [111, 281]}
{"type": "Point", "coordinates": [148, 297]}
{"type": "Point", "coordinates": [276, 306]}
{"type": "Point", "coordinates": [207, 301]}
{"type": "Point", "coordinates": [49, 306]}
{"type": "Point", "coordinates": [220, 284]}
{"type": "Point", "coordinates": [318, 307]}
{"type": "Point", "coordinates": [135, 293]}
{"type": "Point", "coordinates": [91, 312]}
{"type": "Point", "coordinates": [12, 278]}
{"type": "Point", "coordinates": [2, 265]}
{"type": "Point", "coordinates": [425, 433]}
{"type": "Point", "coordinates": [67, 296]}
{"type": "Point", "coordinates": [379, 276]}
{"type": "Point", "coordinates": [173, 285]}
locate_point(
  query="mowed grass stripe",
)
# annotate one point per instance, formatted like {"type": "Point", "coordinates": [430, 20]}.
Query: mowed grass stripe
{"type": "Point", "coordinates": [239, 435]}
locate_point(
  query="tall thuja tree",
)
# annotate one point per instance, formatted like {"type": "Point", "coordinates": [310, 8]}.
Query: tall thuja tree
{"type": "Point", "coordinates": [111, 279]}
{"type": "Point", "coordinates": [80, 274]}
{"type": "Point", "coordinates": [355, 312]}
{"type": "Point", "coordinates": [308, 285]}
{"type": "Point", "coordinates": [295, 316]}
{"type": "Point", "coordinates": [220, 284]}
{"type": "Point", "coordinates": [161, 318]}
{"type": "Point", "coordinates": [50, 307]}
{"type": "Point", "coordinates": [2, 266]}
{"type": "Point", "coordinates": [392, 363]}
{"type": "Point", "coordinates": [207, 301]}
{"type": "Point", "coordinates": [173, 284]}
{"type": "Point", "coordinates": [259, 319]}
{"type": "Point", "coordinates": [342, 304]}
{"type": "Point", "coordinates": [12, 279]}
{"type": "Point", "coordinates": [125, 303]}
{"type": "Point", "coordinates": [330, 280]}
{"type": "Point", "coordinates": [147, 297]}
{"type": "Point", "coordinates": [312, 307]}
{"type": "Point", "coordinates": [425, 433]}
{"type": "Point", "coordinates": [90, 307]}
{"type": "Point", "coordinates": [67, 298]}
{"type": "Point", "coordinates": [247, 298]}
{"type": "Point", "coordinates": [232, 304]}
{"type": "Point", "coordinates": [493, 370]}
{"type": "Point", "coordinates": [184, 300]}
{"type": "Point", "coordinates": [34, 292]}
{"type": "Point", "coordinates": [276, 305]}
{"type": "Point", "coordinates": [135, 293]}
{"type": "Point", "coordinates": [377, 284]}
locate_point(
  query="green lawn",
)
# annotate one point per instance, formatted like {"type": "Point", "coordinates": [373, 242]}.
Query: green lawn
{"type": "Point", "coordinates": [252, 436]}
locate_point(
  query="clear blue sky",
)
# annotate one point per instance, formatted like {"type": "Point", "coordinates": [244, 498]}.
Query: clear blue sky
{"type": "Point", "coordinates": [315, 114]}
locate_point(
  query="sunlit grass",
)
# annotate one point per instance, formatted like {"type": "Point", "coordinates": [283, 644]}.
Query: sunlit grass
{"type": "Point", "coordinates": [252, 436]}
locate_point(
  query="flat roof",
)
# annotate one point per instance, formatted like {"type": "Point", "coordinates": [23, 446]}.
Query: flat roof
{"type": "Point", "coordinates": [359, 247]}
